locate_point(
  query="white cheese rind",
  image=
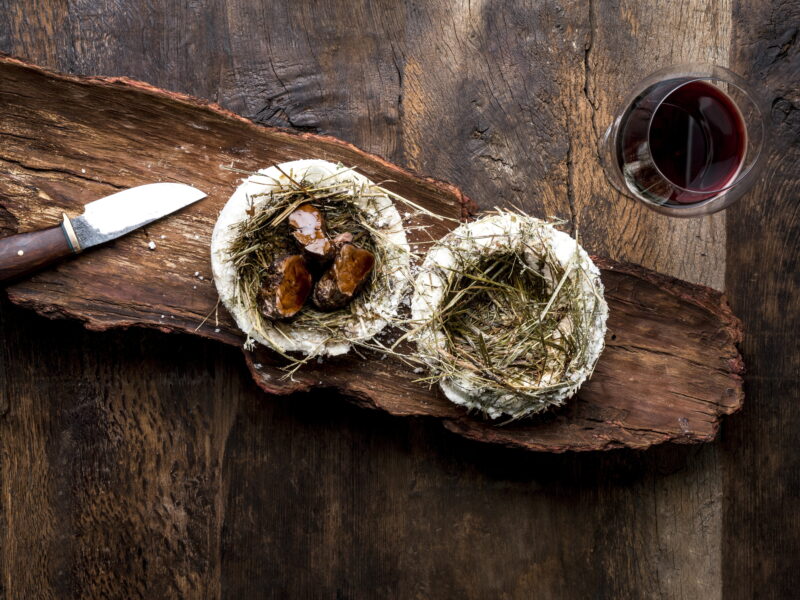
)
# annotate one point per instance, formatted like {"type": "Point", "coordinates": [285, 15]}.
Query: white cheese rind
{"type": "Point", "coordinates": [370, 315]}
{"type": "Point", "coordinates": [499, 233]}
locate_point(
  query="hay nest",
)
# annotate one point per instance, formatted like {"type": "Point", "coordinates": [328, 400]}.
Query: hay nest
{"type": "Point", "coordinates": [252, 230]}
{"type": "Point", "coordinates": [509, 315]}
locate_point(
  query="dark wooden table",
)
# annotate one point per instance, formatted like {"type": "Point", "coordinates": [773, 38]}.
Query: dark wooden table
{"type": "Point", "coordinates": [138, 464]}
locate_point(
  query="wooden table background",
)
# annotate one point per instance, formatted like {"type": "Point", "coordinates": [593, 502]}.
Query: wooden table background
{"type": "Point", "coordinates": [139, 464]}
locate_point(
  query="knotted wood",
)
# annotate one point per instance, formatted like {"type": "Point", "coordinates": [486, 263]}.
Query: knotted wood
{"type": "Point", "coordinates": [671, 368]}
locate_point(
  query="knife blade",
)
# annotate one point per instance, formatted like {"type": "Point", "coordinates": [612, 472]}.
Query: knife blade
{"type": "Point", "coordinates": [115, 215]}
{"type": "Point", "coordinates": [102, 220]}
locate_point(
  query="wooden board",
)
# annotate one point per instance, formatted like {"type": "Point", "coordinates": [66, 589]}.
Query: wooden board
{"type": "Point", "coordinates": [759, 447]}
{"type": "Point", "coordinates": [670, 370]}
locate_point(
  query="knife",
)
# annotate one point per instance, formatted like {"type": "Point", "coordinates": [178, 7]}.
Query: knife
{"type": "Point", "coordinates": [102, 220]}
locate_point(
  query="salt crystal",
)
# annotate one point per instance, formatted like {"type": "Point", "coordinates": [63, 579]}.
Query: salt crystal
{"type": "Point", "coordinates": [83, 170]}
{"type": "Point", "coordinates": [197, 273]}
{"type": "Point", "coordinates": [163, 237]}
{"type": "Point", "coordinates": [152, 245]}
{"type": "Point", "coordinates": [201, 278]}
{"type": "Point", "coordinates": [216, 330]}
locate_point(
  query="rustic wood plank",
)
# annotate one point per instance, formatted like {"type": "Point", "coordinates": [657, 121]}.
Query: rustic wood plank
{"type": "Point", "coordinates": [658, 325]}
{"type": "Point", "coordinates": [621, 43]}
{"type": "Point", "coordinates": [512, 83]}
{"type": "Point", "coordinates": [622, 47]}
{"type": "Point", "coordinates": [112, 465]}
{"type": "Point", "coordinates": [761, 527]}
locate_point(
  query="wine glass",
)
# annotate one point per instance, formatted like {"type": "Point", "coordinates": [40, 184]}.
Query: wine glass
{"type": "Point", "coordinates": [687, 141]}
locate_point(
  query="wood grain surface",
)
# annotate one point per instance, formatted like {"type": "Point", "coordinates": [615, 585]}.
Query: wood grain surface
{"type": "Point", "coordinates": [136, 464]}
{"type": "Point", "coordinates": [760, 455]}
{"type": "Point", "coordinates": [669, 371]}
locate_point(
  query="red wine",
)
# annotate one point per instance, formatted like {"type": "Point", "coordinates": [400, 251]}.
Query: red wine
{"type": "Point", "coordinates": [696, 138]}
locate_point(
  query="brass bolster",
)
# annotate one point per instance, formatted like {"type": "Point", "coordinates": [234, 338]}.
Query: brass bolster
{"type": "Point", "coordinates": [69, 232]}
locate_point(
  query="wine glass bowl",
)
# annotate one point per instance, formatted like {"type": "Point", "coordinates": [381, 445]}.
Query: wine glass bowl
{"type": "Point", "coordinates": [687, 141]}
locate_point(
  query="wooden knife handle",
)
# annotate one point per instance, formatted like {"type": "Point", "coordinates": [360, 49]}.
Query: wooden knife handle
{"type": "Point", "coordinates": [25, 253]}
